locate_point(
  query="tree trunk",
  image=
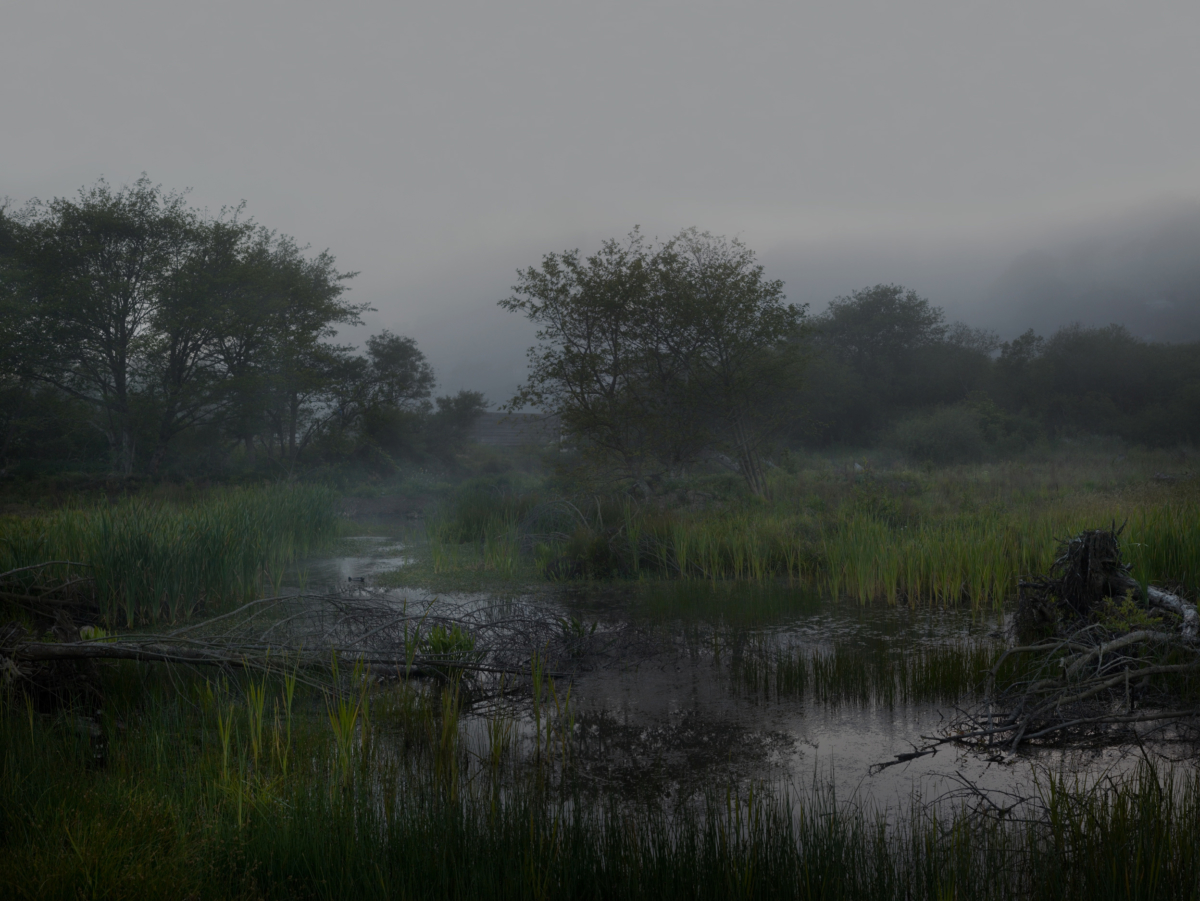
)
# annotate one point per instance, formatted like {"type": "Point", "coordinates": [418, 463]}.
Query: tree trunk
{"type": "Point", "coordinates": [748, 461]}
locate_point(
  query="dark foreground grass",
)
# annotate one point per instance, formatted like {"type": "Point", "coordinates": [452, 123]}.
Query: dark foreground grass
{"type": "Point", "coordinates": [225, 792]}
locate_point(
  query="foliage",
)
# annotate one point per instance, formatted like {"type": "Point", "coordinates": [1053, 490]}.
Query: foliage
{"type": "Point", "coordinates": [653, 356]}
{"type": "Point", "coordinates": [961, 534]}
{"type": "Point", "coordinates": [885, 361]}
{"type": "Point", "coordinates": [451, 642]}
{"type": "Point", "coordinates": [882, 352]}
{"type": "Point", "coordinates": [184, 805]}
{"type": "Point", "coordinates": [168, 331]}
{"type": "Point", "coordinates": [941, 436]}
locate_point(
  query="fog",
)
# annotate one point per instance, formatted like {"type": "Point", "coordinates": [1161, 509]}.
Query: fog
{"type": "Point", "coordinates": [1138, 267]}
{"type": "Point", "coordinates": [1022, 164]}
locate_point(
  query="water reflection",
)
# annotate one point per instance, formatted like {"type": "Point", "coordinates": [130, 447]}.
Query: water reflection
{"type": "Point", "coordinates": [660, 706]}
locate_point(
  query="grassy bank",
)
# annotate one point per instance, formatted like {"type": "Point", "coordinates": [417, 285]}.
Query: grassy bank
{"type": "Point", "coordinates": [259, 790]}
{"type": "Point", "coordinates": [943, 536]}
{"type": "Point", "coordinates": [151, 559]}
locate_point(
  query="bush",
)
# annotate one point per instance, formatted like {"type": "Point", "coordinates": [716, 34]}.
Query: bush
{"type": "Point", "coordinates": [946, 435]}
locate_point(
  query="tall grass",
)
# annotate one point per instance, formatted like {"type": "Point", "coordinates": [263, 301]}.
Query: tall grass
{"type": "Point", "coordinates": [954, 536]}
{"type": "Point", "coordinates": [186, 807]}
{"type": "Point", "coordinates": [152, 560]}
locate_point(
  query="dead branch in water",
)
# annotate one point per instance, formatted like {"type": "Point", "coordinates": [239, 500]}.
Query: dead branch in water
{"type": "Point", "coordinates": [395, 639]}
{"type": "Point", "coordinates": [1095, 676]}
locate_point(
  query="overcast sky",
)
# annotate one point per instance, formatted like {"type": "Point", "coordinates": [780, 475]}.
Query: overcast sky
{"type": "Point", "coordinates": [996, 157]}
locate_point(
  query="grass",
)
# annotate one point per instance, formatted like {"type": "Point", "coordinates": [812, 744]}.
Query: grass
{"type": "Point", "coordinates": [155, 560]}
{"type": "Point", "coordinates": [964, 534]}
{"type": "Point", "coordinates": [219, 790]}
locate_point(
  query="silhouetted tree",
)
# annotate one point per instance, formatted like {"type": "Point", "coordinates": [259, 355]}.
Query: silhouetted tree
{"type": "Point", "coordinates": [652, 356]}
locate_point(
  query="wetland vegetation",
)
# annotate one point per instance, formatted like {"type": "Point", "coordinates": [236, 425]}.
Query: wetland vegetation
{"type": "Point", "coordinates": [506, 773]}
{"type": "Point", "coordinates": [964, 534]}
{"type": "Point", "coordinates": [241, 789]}
{"type": "Point", "coordinates": [782, 611]}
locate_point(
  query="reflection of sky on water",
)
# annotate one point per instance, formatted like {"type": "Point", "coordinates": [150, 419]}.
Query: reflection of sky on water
{"type": "Point", "coordinates": [681, 723]}
{"type": "Point", "coordinates": [375, 555]}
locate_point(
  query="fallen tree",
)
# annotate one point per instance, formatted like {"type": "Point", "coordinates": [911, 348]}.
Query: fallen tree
{"type": "Point", "coordinates": [1103, 654]}
{"type": "Point", "coordinates": [482, 644]}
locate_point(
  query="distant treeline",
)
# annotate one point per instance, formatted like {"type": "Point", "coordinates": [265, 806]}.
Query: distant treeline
{"type": "Point", "coordinates": [886, 367]}
{"type": "Point", "coordinates": [662, 356]}
{"type": "Point", "coordinates": [139, 334]}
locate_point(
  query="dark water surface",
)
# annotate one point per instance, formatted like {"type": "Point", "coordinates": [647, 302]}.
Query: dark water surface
{"type": "Point", "coordinates": [657, 707]}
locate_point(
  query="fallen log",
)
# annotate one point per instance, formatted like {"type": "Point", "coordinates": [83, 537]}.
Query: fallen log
{"type": "Point", "coordinates": [1101, 668]}
{"type": "Point", "coordinates": [247, 658]}
{"type": "Point", "coordinates": [1164, 600]}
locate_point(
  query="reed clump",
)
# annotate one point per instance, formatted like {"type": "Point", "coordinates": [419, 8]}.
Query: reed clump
{"type": "Point", "coordinates": [150, 560]}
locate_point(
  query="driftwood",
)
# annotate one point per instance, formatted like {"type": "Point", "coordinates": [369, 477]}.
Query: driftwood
{"type": "Point", "coordinates": [1084, 681]}
{"type": "Point", "coordinates": [475, 641]}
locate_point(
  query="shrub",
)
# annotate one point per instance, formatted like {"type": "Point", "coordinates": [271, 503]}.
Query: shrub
{"type": "Point", "coordinates": [946, 435]}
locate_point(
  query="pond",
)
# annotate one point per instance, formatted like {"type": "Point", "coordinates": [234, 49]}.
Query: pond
{"type": "Point", "coordinates": [681, 688]}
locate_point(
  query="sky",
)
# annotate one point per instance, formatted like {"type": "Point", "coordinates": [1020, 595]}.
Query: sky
{"type": "Point", "coordinates": [1023, 164]}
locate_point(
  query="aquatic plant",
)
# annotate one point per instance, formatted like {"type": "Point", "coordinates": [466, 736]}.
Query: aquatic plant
{"type": "Point", "coordinates": [867, 674]}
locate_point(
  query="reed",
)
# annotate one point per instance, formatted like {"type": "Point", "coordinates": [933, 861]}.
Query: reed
{"type": "Point", "coordinates": [154, 560]}
{"type": "Point", "coordinates": [961, 536]}
{"type": "Point", "coordinates": [158, 820]}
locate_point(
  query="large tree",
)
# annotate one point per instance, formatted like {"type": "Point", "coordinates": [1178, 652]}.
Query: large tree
{"type": "Point", "coordinates": [305, 298]}
{"type": "Point", "coordinates": [182, 369]}
{"type": "Point", "coordinates": [160, 317]}
{"type": "Point", "coordinates": [654, 355]}
{"type": "Point", "coordinates": [735, 345]}
{"type": "Point", "coordinates": [885, 351]}
{"type": "Point", "coordinates": [93, 271]}
{"type": "Point", "coordinates": [590, 364]}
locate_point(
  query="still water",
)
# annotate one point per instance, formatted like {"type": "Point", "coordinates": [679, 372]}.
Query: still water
{"type": "Point", "coordinates": [658, 709]}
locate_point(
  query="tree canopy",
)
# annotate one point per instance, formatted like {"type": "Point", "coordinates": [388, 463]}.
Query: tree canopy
{"type": "Point", "coordinates": [150, 319]}
{"type": "Point", "coordinates": [656, 355]}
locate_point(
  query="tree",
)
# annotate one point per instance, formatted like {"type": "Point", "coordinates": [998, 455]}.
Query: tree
{"type": "Point", "coordinates": [653, 356]}
{"type": "Point", "coordinates": [451, 423]}
{"type": "Point", "coordinates": [306, 307]}
{"type": "Point", "coordinates": [590, 365]}
{"type": "Point", "coordinates": [883, 351]}
{"type": "Point", "coordinates": [400, 375]}
{"type": "Point", "coordinates": [182, 368]}
{"type": "Point", "coordinates": [92, 273]}
{"type": "Point", "coordinates": [392, 400]}
{"type": "Point", "coordinates": [735, 343]}
{"type": "Point", "coordinates": [878, 327]}
{"type": "Point", "coordinates": [160, 317]}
